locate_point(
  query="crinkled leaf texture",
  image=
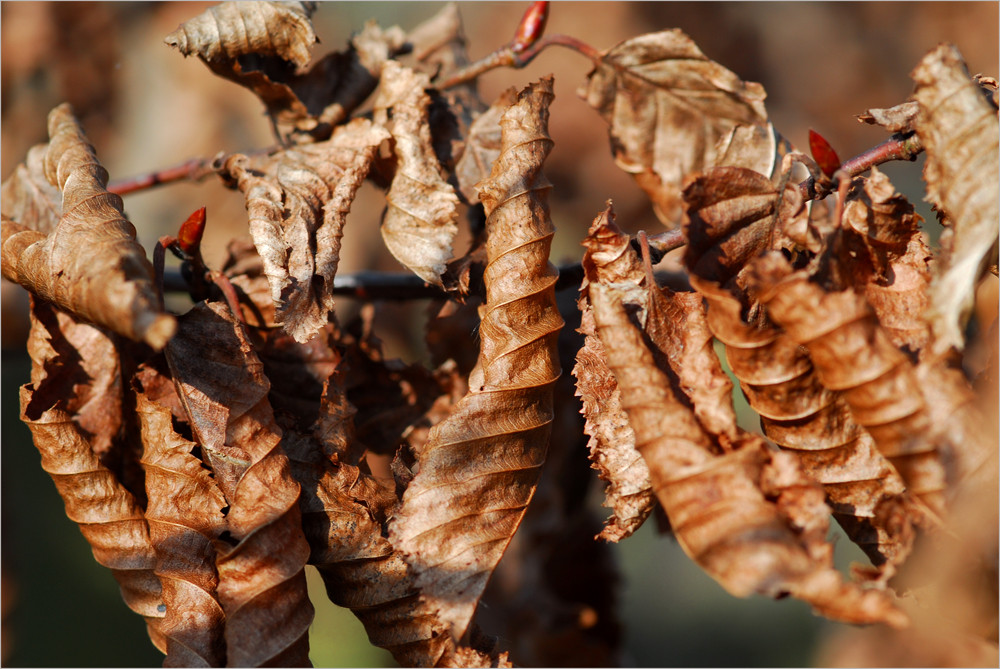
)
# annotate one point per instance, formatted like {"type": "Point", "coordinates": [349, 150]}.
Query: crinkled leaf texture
{"type": "Point", "coordinates": [730, 212]}
{"type": "Point", "coordinates": [420, 221]}
{"type": "Point", "coordinates": [262, 554]}
{"type": "Point", "coordinates": [671, 112]}
{"type": "Point", "coordinates": [265, 46]}
{"type": "Point", "coordinates": [90, 263]}
{"type": "Point", "coordinates": [297, 210]}
{"type": "Point", "coordinates": [748, 515]}
{"type": "Point", "coordinates": [958, 128]}
{"type": "Point", "coordinates": [108, 514]}
{"type": "Point", "coordinates": [628, 492]}
{"type": "Point", "coordinates": [479, 467]}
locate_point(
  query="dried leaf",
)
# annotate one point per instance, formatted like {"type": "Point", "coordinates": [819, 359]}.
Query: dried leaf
{"type": "Point", "coordinates": [297, 215]}
{"type": "Point", "coordinates": [482, 147]}
{"type": "Point", "coordinates": [479, 467]}
{"type": "Point", "coordinates": [628, 492]}
{"type": "Point", "coordinates": [109, 516]}
{"type": "Point", "coordinates": [262, 556]}
{"type": "Point", "coordinates": [750, 518]}
{"type": "Point", "coordinates": [780, 383]}
{"type": "Point", "coordinates": [90, 264]}
{"type": "Point", "coordinates": [894, 119]}
{"type": "Point", "coordinates": [265, 47]}
{"type": "Point", "coordinates": [185, 515]}
{"type": "Point", "coordinates": [896, 276]}
{"type": "Point", "coordinates": [958, 128]}
{"type": "Point", "coordinates": [420, 221]}
{"type": "Point", "coordinates": [668, 107]}
{"type": "Point", "coordinates": [28, 198]}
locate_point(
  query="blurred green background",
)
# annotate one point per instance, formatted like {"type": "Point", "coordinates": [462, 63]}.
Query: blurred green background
{"type": "Point", "coordinates": [144, 107]}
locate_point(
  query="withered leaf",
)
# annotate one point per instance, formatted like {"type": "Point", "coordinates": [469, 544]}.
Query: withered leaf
{"type": "Point", "coordinates": [778, 378]}
{"type": "Point", "coordinates": [91, 264]}
{"type": "Point", "coordinates": [297, 214]}
{"type": "Point", "coordinates": [668, 107]}
{"type": "Point", "coordinates": [958, 128]}
{"type": "Point", "coordinates": [28, 198]}
{"type": "Point", "coordinates": [482, 147]}
{"type": "Point", "coordinates": [894, 119]}
{"type": "Point", "coordinates": [262, 556]}
{"type": "Point", "coordinates": [628, 492]}
{"type": "Point", "coordinates": [185, 515]}
{"type": "Point", "coordinates": [265, 47]}
{"type": "Point", "coordinates": [479, 466]}
{"type": "Point", "coordinates": [750, 518]}
{"type": "Point", "coordinates": [420, 221]}
{"type": "Point", "coordinates": [109, 516]}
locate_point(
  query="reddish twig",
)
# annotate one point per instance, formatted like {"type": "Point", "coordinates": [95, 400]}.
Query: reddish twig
{"type": "Point", "coordinates": [897, 147]}
{"type": "Point", "coordinates": [194, 169]}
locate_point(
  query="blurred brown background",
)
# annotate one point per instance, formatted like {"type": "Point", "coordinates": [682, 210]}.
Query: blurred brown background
{"type": "Point", "coordinates": [146, 107]}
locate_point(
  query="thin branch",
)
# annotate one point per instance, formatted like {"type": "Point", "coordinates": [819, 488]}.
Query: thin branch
{"type": "Point", "coordinates": [194, 169]}
{"type": "Point", "coordinates": [506, 56]}
{"type": "Point", "coordinates": [897, 147]}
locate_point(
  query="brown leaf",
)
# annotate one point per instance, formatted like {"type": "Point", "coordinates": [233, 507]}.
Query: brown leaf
{"type": "Point", "coordinates": [894, 119]}
{"type": "Point", "coordinates": [896, 277]}
{"type": "Point", "coordinates": [185, 515]}
{"type": "Point", "coordinates": [109, 516]}
{"type": "Point", "coordinates": [482, 147]}
{"type": "Point", "coordinates": [780, 383]}
{"type": "Point", "coordinates": [479, 467]}
{"type": "Point", "coordinates": [28, 198]}
{"type": "Point", "coordinates": [265, 47]}
{"type": "Point", "coordinates": [628, 492]}
{"type": "Point", "coordinates": [262, 556]}
{"type": "Point", "coordinates": [958, 128]}
{"type": "Point", "coordinates": [90, 264]}
{"type": "Point", "coordinates": [668, 107]}
{"type": "Point", "coordinates": [420, 221]}
{"type": "Point", "coordinates": [750, 518]}
{"type": "Point", "coordinates": [297, 214]}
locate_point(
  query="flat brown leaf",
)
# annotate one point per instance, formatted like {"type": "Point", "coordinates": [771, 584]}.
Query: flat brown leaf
{"type": "Point", "coordinates": [262, 556]}
{"type": "Point", "coordinates": [479, 467]}
{"type": "Point", "coordinates": [668, 107]}
{"type": "Point", "coordinates": [750, 518]}
{"type": "Point", "coordinates": [185, 516]}
{"type": "Point", "coordinates": [779, 381]}
{"type": "Point", "coordinates": [109, 516]}
{"type": "Point", "coordinates": [91, 264]}
{"type": "Point", "coordinates": [297, 214]}
{"type": "Point", "coordinates": [420, 221]}
{"type": "Point", "coordinates": [958, 128]}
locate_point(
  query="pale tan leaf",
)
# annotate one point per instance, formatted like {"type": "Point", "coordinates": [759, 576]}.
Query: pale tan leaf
{"type": "Point", "coordinates": [28, 198]}
{"type": "Point", "coordinates": [297, 214]}
{"type": "Point", "coordinates": [958, 128]}
{"type": "Point", "coordinates": [482, 147]}
{"type": "Point", "coordinates": [420, 221]}
{"type": "Point", "coordinates": [669, 106]}
{"type": "Point", "coordinates": [479, 467]}
{"type": "Point", "coordinates": [90, 264]}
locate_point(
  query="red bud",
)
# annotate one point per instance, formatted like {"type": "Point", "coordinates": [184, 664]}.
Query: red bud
{"type": "Point", "coordinates": [531, 27]}
{"type": "Point", "coordinates": [823, 153]}
{"type": "Point", "coordinates": [189, 235]}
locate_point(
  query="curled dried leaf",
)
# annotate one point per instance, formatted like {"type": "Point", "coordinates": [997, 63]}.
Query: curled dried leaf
{"type": "Point", "coordinates": [958, 127]}
{"type": "Point", "coordinates": [479, 467]}
{"type": "Point", "coordinates": [420, 221]}
{"type": "Point", "coordinates": [108, 514]}
{"type": "Point", "coordinates": [297, 214]}
{"type": "Point", "coordinates": [28, 198]}
{"type": "Point", "coordinates": [91, 264]}
{"type": "Point", "coordinates": [482, 147]}
{"type": "Point", "coordinates": [185, 515]}
{"type": "Point", "coordinates": [669, 106]}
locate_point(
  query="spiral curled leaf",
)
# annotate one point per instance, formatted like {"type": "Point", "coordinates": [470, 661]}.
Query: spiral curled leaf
{"type": "Point", "coordinates": [479, 467]}
{"type": "Point", "coordinates": [91, 264]}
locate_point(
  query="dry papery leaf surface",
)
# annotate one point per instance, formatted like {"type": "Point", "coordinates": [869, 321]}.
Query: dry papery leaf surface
{"type": "Point", "coordinates": [209, 456]}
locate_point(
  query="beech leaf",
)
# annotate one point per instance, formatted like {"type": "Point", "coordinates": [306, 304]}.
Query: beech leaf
{"type": "Point", "coordinates": [91, 264]}
{"type": "Point", "coordinates": [297, 215]}
{"type": "Point", "coordinates": [479, 467]}
{"type": "Point", "coordinates": [668, 106]}
{"type": "Point", "coordinates": [482, 147]}
{"type": "Point", "coordinates": [420, 221]}
{"type": "Point", "coordinates": [958, 128]}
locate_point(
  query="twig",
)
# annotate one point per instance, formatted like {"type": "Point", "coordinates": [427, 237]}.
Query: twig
{"type": "Point", "coordinates": [897, 147]}
{"type": "Point", "coordinates": [505, 57]}
{"type": "Point", "coordinates": [194, 169]}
